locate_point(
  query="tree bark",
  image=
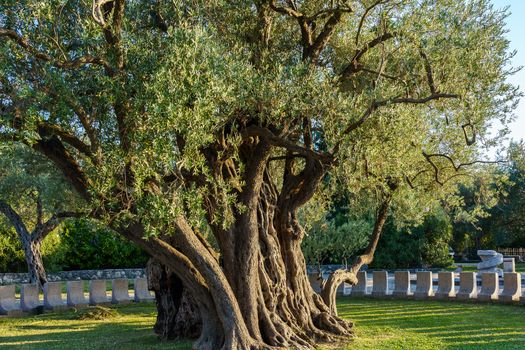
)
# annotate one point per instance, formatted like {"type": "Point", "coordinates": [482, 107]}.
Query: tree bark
{"type": "Point", "coordinates": [177, 314]}
{"type": "Point", "coordinates": [35, 265]}
{"type": "Point", "coordinates": [328, 292]}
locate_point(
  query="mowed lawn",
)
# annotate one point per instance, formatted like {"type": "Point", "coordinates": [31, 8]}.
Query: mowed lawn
{"type": "Point", "coordinates": [379, 324]}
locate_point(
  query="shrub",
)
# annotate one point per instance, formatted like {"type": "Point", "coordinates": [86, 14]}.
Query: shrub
{"type": "Point", "coordinates": [11, 253]}
{"type": "Point", "coordinates": [85, 245]}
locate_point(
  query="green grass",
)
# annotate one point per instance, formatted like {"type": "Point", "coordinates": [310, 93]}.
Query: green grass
{"type": "Point", "coordinates": [130, 329]}
{"type": "Point", "coordinates": [379, 324]}
{"type": "Point", "coordinates": [403, 324]}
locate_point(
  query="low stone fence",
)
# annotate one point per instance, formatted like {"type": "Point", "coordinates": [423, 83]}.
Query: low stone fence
{"type": "Point", "coordinates": [53, 299]}
{"type": "Point", "coordinates": [447, 286]}
{"type": "Point", "coordinates": [108, 274]}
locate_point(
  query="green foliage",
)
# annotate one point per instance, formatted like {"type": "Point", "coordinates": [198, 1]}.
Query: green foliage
{"type": "Point", "coordinates": [426, 244]}
{"type": "Point", "coordinates": [75, 245]}
{"type": "Point", "coordinates": [398, 248]}
{"type": "Point", "coordinates": [12, 257]}
{"type": "Point", "coordinates": [84, 245]}
{"type": "Point", "coordinates": [501, 222]}
{"type": "Point", "coordinates": [11, 253]}
{"type": "Point", "coordinates": [200, 78]}
{"type": "Point", "coordinates": [437, 229]}
{"type": "Point", "coordinates": [53, 251]}
{"type": "Point", "coordinates": [28, 176]}
{"type": "Point", "coordinates": [332, 242]}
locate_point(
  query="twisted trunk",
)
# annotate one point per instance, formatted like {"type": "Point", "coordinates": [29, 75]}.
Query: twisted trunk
{"type": "Point", "coordinates": [35, 265]}
{"type": "Point", "coordinates": [260, 291]}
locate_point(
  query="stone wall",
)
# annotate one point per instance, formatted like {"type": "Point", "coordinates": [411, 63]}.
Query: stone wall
{"type": "Point", "coordinates": [108, 274]}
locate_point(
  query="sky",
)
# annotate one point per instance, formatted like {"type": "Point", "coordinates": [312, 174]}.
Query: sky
{"type": "Point", "coordinates": [515, 24]}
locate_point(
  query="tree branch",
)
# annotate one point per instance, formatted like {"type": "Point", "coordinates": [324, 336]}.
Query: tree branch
{"type": "Point", "coordinates": [254, 130]}
{"type": "Point", "coordinates": [69, 64]}
{"type": "Point", "coordinates": [52, 148]}
{"type": "Point", "coordinates": [354, 67]}
{"type": "Point", "coordinates": [15, 219]}
{"type": "Point", "coordinates": [72, 140]}
{"type": "Point", "coordinates": [380, 103]}
{"type": "Point", "coordinates": [314, 51]}
{"type": "Point", "coordinates": [363, 17]}
{"type": "Point", "coordinates": [428, 70]}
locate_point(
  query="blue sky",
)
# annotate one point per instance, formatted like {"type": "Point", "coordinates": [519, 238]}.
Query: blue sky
{"type": "Point", "coordinates": [516, 26]}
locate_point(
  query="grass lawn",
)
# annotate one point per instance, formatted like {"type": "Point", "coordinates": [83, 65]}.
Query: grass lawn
{"type": "Point", "coordinates": [379, 324]}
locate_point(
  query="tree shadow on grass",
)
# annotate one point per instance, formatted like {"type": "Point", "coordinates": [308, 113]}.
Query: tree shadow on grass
{"type": "Point", "coordinates": [63, 331]}
{"type": "Point", "coordinates": [460, 326]}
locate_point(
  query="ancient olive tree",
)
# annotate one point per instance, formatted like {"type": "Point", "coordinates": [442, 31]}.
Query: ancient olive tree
{"type": "Point", "coordinates": [199, 130]}
{"type": "Point", "coordinates": [32, 196]}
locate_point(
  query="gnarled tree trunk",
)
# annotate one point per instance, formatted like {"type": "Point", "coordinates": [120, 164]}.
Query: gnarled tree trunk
{"type": "Point", "coordinates": [177, 313]}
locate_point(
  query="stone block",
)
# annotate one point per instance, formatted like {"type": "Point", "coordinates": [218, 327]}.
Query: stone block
{"type": "Point", "coordinates": [511, 287]}
{"type": "Point", "coordinates": [423, 285]}
{"type": "Point", "coordinates": [509, 265]}
{"type": "Point", "coordinates": [401, 284]}
{"type": "Point", "coordinates": [489, 286]}
{"type": "Point", "coordinates": [120, 292]}
{"type": "Point", "coordinates": [468, 288]}
{"type": "Point", "coordinates": [8, 303]}
{"type": "Point", "coordinates": [446, 287]}
{"type": "Point", "coordinates": [359, 290]}
{"type": "Point", "coordinates": [142, 292]}
{"type": "Point", "coordinates": [53, 296]}
{"type": "Point", "coordinates": [75, 294]}
{"type": "Point", "coordinates": [97, 292]}
{"type": "Point", "coordinates": [30, 297]}
{"type": "Point", "coordinates": [380, 284]}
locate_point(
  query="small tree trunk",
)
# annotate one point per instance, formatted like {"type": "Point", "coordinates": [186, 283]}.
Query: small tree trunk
{"type": "Point", "coordinates": [35, 265]}
{"type": "Point", "coordinates": [177, 313]}
{"type": "Point", "coordinates": [328, 293]}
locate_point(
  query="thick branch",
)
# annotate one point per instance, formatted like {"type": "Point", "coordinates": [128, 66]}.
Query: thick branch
{"type": "Point", "coordinates": [314, 51]}
{"type": "Point", "coordinates": [53, 149]}
{"type": "Point", "coordinates": [275, 140]}
{"type": "Point", "coordinates": [67, 137]}
{"type": "Point", "coordinates": [15, 219]}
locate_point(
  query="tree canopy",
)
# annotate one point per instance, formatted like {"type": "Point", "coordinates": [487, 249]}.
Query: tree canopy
{"type": "Point", "coordinates": [174, 120]}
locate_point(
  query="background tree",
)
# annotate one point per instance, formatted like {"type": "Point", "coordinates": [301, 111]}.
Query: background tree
{"type": "Point", "coordinates": [410, 246]}
{"type": "Point", "coordinates": [226, 118]}
{"type": "Point", "coordinates": [31, 198]}
{"type": "Point", "coordinates": [498, 202]}
{"type": "Point", "coordinates": [507, 218]}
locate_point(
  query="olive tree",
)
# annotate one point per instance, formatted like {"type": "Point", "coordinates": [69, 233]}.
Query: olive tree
{"type": "Point", "coordinates": [185, 119]}
{"type": "Point", "coordinates": [32, 200]}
